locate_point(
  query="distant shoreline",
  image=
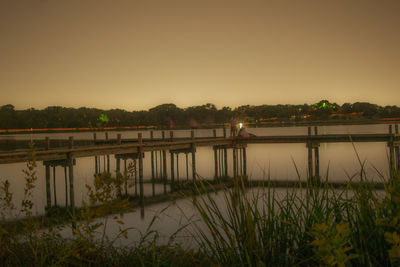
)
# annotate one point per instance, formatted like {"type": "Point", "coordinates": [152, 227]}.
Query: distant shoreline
{"type": "Point", "coordinates": [205, 126]}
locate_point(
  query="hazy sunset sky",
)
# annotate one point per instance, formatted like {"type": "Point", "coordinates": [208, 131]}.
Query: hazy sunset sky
{"type": "Point", "coordinates": [138, 54]}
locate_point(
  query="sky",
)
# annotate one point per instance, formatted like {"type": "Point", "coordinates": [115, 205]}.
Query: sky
{"type": "Point", "coordinates": [135, 55]}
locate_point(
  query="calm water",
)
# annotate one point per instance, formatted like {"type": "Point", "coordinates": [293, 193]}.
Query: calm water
{"type": "Point", "coordinates": [277, 161]}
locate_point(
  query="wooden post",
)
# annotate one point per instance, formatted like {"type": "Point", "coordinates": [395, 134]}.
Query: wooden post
{"type": "Point", "coordinates": [193, 156]}
{"type": "Point", "coordinates": [226, 162]}
{"type": "Point", "coordinates": [106, 135]}
{"type": "Point", "coordinates": [152, 165]}
{"type": "Point", "coordinates": [156, 173]}
{"type": "Point", "coordinates": [220, 163]}
{"type": "Point", "coordinates": [153, 189]}
{"type": "Point", "coordinates": [119, 142]}
{"type": "Point", "coordinates": [104, 163]}
{"type": "Point", "coordinates": [54, 186]}
{"type": "Point", "coordinates": [125, 177]}
{"type": "Point", "coordinates": [71, 184]}
{"type": "Point", "coordinates": [164, 170]}
{"type": "Point", "coordinates": [309, 146]}
{"type": "Point", "coordinates": [48, 194]}
{"type": "Point", "coordinates": [108, 163]}
{"type": "Point", "coordinates": [96, 165]}
{"type": "Point", "coordinates": [234, 162]}
{"type": "Point", "coordinates": [47, 143]}
{"type": "Point", "coordinates": [215, 164]}
{"type": "Point", "coordinates": [140, 141]}
{"type": "Point", "coordinates": [214, 133]}
{"type": "Point", "coordinates": [66, 186]}
{"type": "Point", "coordinates": [244, 162]}
{"type": "Point", "coordinates": [172, 170]}
{"type": "Point", "coordinates": [94, 138]}
{"type": "Point", "coordinates": [177, 168]}
{"type": "Point", "coordinates": [316, 155]}
{"type": "Point", "coordinates": [391, 150]}
{"type": "Point", "coordinates": [241, 161]}
{"type": "Point", "coordinates": [118, 165]}
{"type": "Point", "coordinates": [163, 134]}
{"type": "Point", "coordinates": [224, 129]}
{"type": "Point", "coordinates": [70, 142]}
{"type": "Point", "coordinates": [397, 152]}
{"type": "Point", "coordinates": [136, 182]}
{"type": "Point", "coordinates": [171, 136]}
{"type": "Point", "coordinates": [187, 167]}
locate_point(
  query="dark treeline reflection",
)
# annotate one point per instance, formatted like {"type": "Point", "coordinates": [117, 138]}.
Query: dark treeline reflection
{"type": "Point", "coordinates": [169, 115]}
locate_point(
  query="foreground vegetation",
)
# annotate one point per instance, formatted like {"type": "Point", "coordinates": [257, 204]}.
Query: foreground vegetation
{"type": "Point", "coordinates": [305, 226]}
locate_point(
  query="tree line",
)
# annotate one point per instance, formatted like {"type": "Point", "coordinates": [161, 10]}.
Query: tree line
{"type": "Point", "coordinates": [170, 116]}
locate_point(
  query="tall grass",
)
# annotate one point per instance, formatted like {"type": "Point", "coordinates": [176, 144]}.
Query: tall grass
{"type": "Point", "coordinates": [314, 225]}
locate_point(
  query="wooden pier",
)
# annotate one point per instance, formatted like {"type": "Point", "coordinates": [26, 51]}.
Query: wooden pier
{"type": "Point", "coordinates": [64, 153]}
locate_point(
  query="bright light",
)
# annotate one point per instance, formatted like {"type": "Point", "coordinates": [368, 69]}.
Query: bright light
{"type": "Point", "coordinates": [240, 125]}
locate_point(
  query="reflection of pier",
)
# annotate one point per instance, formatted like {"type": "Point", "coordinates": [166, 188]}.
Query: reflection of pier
{"type": "Point", "coordinates": [63, 153]}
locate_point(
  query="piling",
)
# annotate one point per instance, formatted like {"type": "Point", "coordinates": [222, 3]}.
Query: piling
{"type": "Point", "coordinates": [48, 193]}
{"type": "Point", "coordinates": [54, 186]}
{"type": "Point", "coordinates": [136, 180]}
{"type": "Point", "coordinates": [241, 161]}
{"type": "Point", "coordinates": [397, 153]}
{"type": "Point", "coordinates": [391, 150]}
{"type": "Point", "coordinates": [187, 167]}
{"type": "Point", "coordinates": [66, 186]}
{"type": "Point", "coordinates": [220, 163]}
{"type": "Point", "coordinates": [309, 146]}
{"type": "Point", "coordinates": [118, 167]}
{"type": "Point", "coordinates": [108, 163]}
{"type": "Point", "coordinates": [226, 162]}
{"type": "Point", "coordinates": [71, 184]}
{"type": "Point", "coordinates": [177, 168]}
{"type": "Point", "coordinates": [244, 162]}
{"type": "Point", "coordinates": [215, 163]}
{"type": "Point", "coordinates": [96, 165]}
{"type": "Point", "coordinates": [152, 164]}
{"type": "Point", "coordinates": [164, 170]}
{"type": "Point", "coordinates": [316, 154]}
{"type": "Point", "coordinates": [234, 163]}
{"type": "Point", "coordinates": [125, 178]}
{"type": "Point", "coordinates": [156, 174]}
{"type": "Point", "coordinates": [193, 156]}
{"type": "Point", "coordinates": [141, 200]}
{"type": "Point", "coordinates": [172, 170]}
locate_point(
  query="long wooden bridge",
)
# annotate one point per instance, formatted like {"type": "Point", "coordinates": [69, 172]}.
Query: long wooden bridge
{"type": "Point", "coordinates": [64, 153]}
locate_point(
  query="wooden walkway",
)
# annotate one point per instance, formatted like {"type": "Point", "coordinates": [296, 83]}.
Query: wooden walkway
{"type": "Point", "coordinates": [63, 153]}
{"type": "Point", "coordinates": [85, 148]}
